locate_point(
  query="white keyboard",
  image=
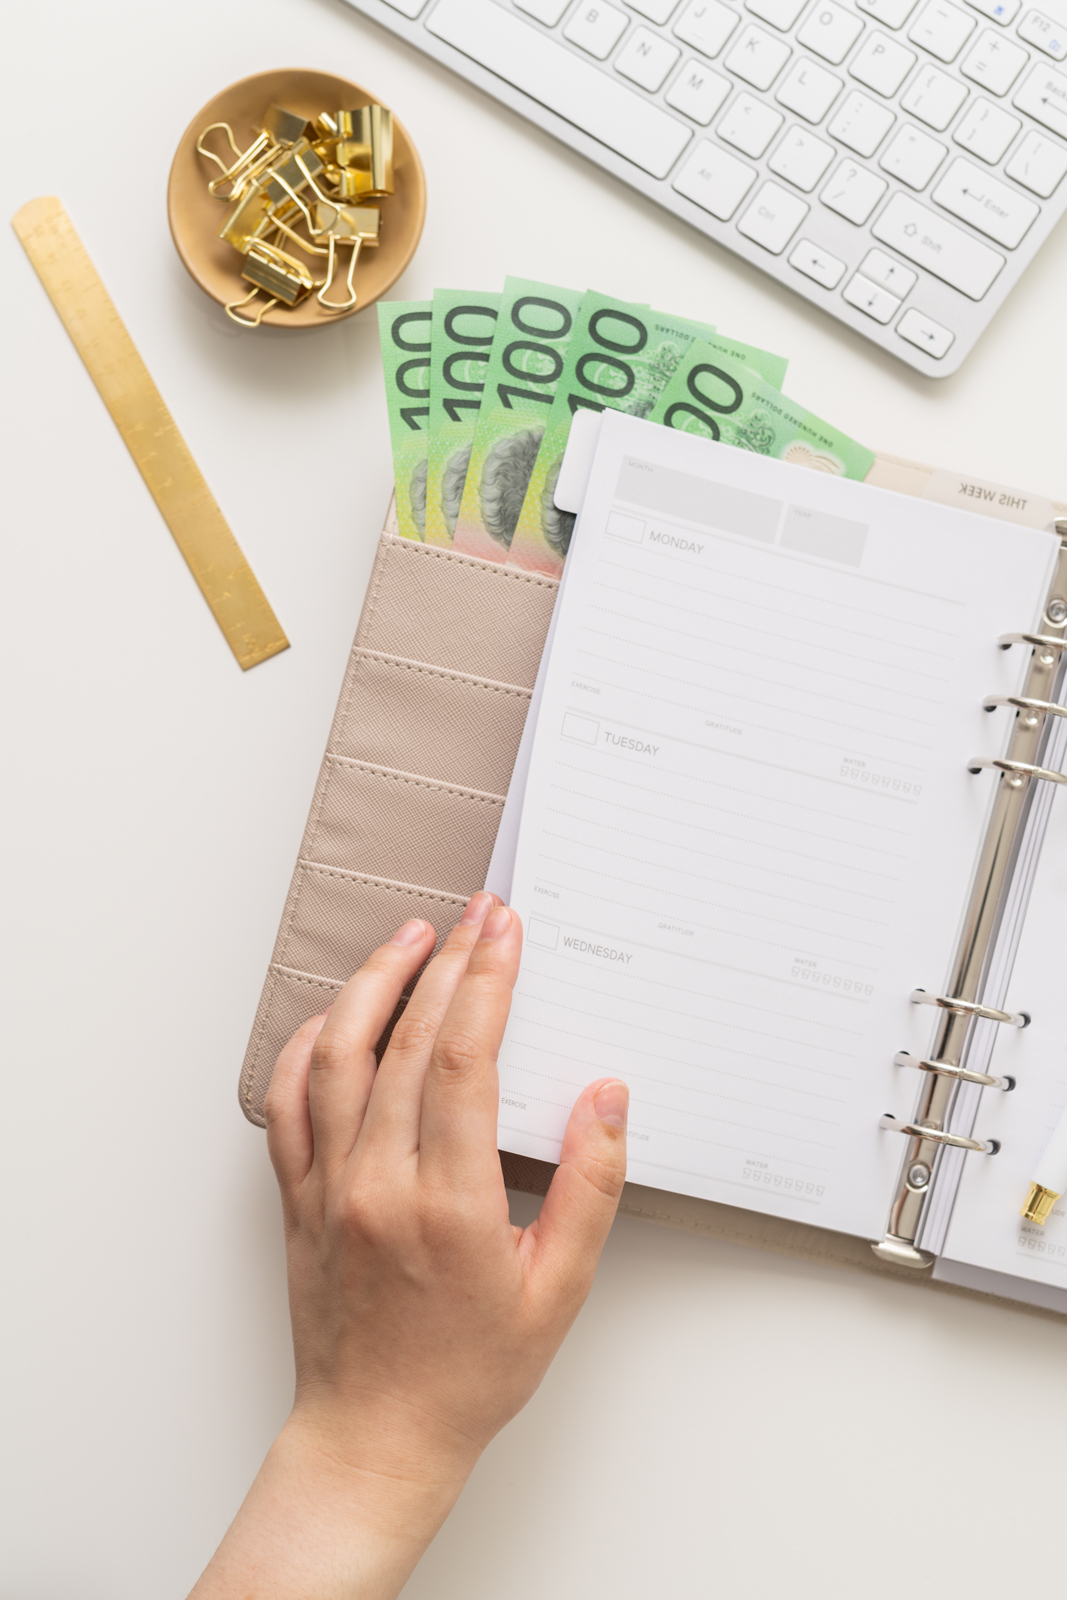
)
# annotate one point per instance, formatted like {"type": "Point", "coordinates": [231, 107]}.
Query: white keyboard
{"type": "Point", "coordinates": [897, 162]}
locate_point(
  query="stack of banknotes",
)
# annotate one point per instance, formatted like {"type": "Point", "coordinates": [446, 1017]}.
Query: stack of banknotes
{"type": "Point", "coordinates": [482, 389]}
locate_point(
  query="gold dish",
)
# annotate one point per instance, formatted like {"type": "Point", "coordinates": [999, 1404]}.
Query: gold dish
{"type": "Point", "coordinates": [195, 217]}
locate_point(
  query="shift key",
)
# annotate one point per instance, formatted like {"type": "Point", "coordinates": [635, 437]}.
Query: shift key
{"type": "Point", "coordinates": [938, 245]}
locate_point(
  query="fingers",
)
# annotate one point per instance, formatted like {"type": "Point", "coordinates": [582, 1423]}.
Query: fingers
{"type": "Point", "coordinates": [457, 1135]}
{"type": "Point", "coordinates": [342, 1062]}
{"type": "Point", "coordinates": [584, 1195]}
{"type": "Point", "coordinates": [286, 1108]}
{"type": "Point", "coordinates": [391, 1126]}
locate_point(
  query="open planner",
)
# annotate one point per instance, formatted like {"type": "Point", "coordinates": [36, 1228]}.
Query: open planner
{"type": "Point", "coordinates": [779, 866]}
{"type": "Point", "coordinates": [783, 837]}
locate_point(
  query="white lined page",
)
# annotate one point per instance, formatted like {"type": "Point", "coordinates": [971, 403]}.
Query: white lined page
{"type": "Point", "coordinates": [748, 828]}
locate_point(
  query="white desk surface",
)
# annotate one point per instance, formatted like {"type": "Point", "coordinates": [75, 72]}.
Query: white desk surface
{"type": "Point", "coordinates": [719, 1420]}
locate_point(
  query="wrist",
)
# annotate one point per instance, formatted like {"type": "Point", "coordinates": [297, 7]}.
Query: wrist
{"type": "Point", "coordinates": [342, 1509]}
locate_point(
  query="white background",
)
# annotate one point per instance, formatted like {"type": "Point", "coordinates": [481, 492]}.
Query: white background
{"type": "Point", "coordinates": [719, 1420]}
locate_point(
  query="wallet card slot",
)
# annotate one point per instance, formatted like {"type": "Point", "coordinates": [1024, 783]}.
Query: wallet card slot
{"type": "Point", "coordinates": [337, 917]}
{"type": "Point", "coordinates": [426, 603]}
{"type": "Point", "coordinates": [448, 726]}
{"type": "Point", "coordinates": [402, 827]}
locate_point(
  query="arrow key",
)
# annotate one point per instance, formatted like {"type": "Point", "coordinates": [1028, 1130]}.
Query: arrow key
{"type": "Point", "coordinates": [926, 334]}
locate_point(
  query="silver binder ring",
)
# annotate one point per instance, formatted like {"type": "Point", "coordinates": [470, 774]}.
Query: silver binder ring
{"type": "Point", "coordinates": [1016, 770]}
{"type": "Point", "coordinates": [1040, 641]}
{"type": "Point", "coordinates": [985, 1147]}
{"type": "Point", "coordinates": [969, 1008]}
{"type": "Point", "coordinates": [949, 1069]}
{"type": "Point", "coordinates": [1037, 708]}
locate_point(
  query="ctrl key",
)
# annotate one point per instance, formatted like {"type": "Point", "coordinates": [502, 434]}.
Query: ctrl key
{"type": "Point", "coordinates": [817, 264]}
{"type": "Point", "coordinates": [923, 332]}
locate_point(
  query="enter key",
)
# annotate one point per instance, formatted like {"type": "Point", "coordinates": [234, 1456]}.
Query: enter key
{"type": "Point", "coordinates": [987, 204]}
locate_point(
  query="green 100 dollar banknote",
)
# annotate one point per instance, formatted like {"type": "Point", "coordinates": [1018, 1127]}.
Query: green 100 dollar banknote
{"type": "Point", "coordinates": [620, 358]}
{"type": "Point", "coordinates": [722, 399]}
{"type": "Point", "coordinates": [534, 325]}
{"type": "Point", "coordinates": [461, 338]}
{"type": "Point", "coordinates": [404, 330]}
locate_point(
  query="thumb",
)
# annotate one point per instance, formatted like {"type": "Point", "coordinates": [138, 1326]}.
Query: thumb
{"type": "Point", "coordinates": [584, 1196]}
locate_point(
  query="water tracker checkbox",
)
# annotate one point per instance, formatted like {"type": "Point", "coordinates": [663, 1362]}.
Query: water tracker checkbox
{"type": "Point", "coordinates": [583, 729]}
{"type": "Point", "coordinates": [545, 934]}
{"type": "Point", "coordinates": [622, 527]}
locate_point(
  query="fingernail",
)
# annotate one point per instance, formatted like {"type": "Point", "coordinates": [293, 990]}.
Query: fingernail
{"type": "Point", "coordinates": [496, 923]}
{"type": "Point", "coordinates": [477, 908]}
{"type": "Point", "coordinates": [410, 933]}
{"type": "Point", "coordinates": [611, 1103]}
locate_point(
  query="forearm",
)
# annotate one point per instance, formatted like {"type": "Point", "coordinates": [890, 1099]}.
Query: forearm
{"type": "Point", "coordinates": [319, 1524]}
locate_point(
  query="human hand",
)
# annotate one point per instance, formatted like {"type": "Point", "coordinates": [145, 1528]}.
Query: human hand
{"type": "Point", "coordinates": [422, 1319]}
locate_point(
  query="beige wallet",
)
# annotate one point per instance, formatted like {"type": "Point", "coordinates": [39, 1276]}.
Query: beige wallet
{"type": "Point", "coordinates": [410, 795]}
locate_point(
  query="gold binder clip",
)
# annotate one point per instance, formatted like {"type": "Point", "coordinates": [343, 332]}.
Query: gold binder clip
{"type": "Point", "coordinates": [286, 128]}
{"type": "Point", "coordinates": [365, 148]}
{"type": "Point", "coordinates": [248, 322]}
{"type": "Point", "coordinates": [238, 172]}
{"type": "Point", "coordinates": [280, 274]}
{"type": "Point", "coordinates": [248, 220]}
{"type": "Point", "coordinates": [355, 227]}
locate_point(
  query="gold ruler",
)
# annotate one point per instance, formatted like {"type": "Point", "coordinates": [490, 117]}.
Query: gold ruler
{"type": "Point", "coordinates": [214, 557]}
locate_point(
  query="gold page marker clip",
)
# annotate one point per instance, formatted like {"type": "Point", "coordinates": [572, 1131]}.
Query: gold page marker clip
{"type": "Point", "coordinates": [214, 557]}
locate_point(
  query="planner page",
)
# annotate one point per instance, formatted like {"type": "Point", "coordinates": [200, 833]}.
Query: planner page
{"type": "Point", "coordinates": [986, 1229]}
{"type": "Point", "coordinates": [748, 828]}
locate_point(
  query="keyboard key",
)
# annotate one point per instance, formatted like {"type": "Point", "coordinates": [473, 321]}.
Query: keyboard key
{"type": "Point", "coordinates": [861, 124]}
{"type": "Point", "coordinates": [698, 92]}
{"type": "Point", "coordinates": [758, 58]}
{"type": "Point", "coordinates": [801, 158]}
{"type": "Point", "coordinates": [1038, 164]}
{"type": "Point", "coordinates": [994, 62]}
{"type": "Point", "coordinates": [1046, 35]}
{"type": "Point", "coordinates": [596, 27]}
{"type": "Point", "coordinates": [866, 296]}
{"type": "Point", "coordinates": [924, 332]}
{"type": "Point", "coordinates": [938, 245]}
{"type": "Point", "coordinates": [942, 29]}
{"type": "Point", "coordinates": [882, 64]}
{"type": "Point", "coordinates": [893, 13]}
{"type": "Point", "coordinates": [1043, 96]}
{"type": "Point", "coordinates": [714, 180]}
{"type": "Point", "coordinates": [706, 25]}
{"type": "Point", "coordinates": [986, 203]}
{"type": "Point", "coordinates": [913, 157]}
{"type": "Point", "coordinates": [853, 192]}
{"type": "Point", "coordinates": [779, 13]}
{"type": "Point", "coordinates": [592, 100]}
{"type": "Point", "coordinates": [1000, 11]}
{"type": "Point", "coordinates": [881, 269]}
{"type": "Point", "coordinates": [986, 130]}
{"type": "Point", "coordinates": [646, 59]}
{"type": "Point", "coordinates": [749, 125]}
{"type": "Point", "coordinates": [816, 263]}
{"type": "Point", "coordinates": [809, 90]}
{"type": "Point", "coordinates": [773, 218]}
{"type": "Point", "coordinates": [546, 11]}
{"type": "Point", "coordinates": [658, 11]}
{"type": "Point", "coordinates": [934, 97]}
{"type": "Point", "coordinates": [410, 8]}
{"type": "Point", "coordinates": [830, 33]}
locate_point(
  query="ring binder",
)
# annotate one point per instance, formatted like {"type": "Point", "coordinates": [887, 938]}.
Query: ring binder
{"type": "Point", "coordinates": [1016, 770]}
{"type": "Point", "coordinates": [985, 1147]}
{"type": "Point", "coordinates": [1040, 641]}
{"type": "Point", "coordinates": [928, 1133]}
{"type": "Point", "coordinates": [969, 1008]}
{"type": "Point", "coordinates": [1047, 708]}
{"type": "Point", "coordinates": [950, 1069]}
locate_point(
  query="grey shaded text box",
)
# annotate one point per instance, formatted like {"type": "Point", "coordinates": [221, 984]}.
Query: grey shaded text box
{"type": "Point", "coordinates": [712, 505]}
{"type": "Point", "coordinates": [817, 534]}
